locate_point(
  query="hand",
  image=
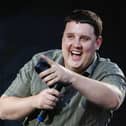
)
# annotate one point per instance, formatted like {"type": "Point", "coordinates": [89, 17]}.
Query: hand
{"type": "Point", "coordinates": [47, 99]}
{"type": "Point", "coordinates": [56, 73]}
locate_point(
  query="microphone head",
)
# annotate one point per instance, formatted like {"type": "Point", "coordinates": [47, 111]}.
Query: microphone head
{"type": "Point", "coordinates": [41, 66]}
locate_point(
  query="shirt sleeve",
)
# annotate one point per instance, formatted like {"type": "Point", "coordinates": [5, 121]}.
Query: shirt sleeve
{"type": "Point", "coordinates": [117, 80]}
{"type": "Point", "coordinates": [20, 86]}
{"type": "Point", "coordinates": [112, 74]}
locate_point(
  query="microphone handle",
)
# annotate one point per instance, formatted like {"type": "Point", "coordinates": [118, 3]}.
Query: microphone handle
{"type": "Point", "coordinates": [41, 66]}
{"type": "Point", "coordinates": [43, 113]}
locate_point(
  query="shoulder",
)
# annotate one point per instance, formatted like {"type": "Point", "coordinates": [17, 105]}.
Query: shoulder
{"type": "Point", "coordinates": [28, 67]}
{"type": "Point", "coordinates": [107, 67]}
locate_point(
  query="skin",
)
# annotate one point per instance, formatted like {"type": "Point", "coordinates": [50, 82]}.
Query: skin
{"type": "Point", "coordinates": [79, 44]}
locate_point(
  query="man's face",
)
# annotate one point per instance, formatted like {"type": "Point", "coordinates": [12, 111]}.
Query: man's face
{"type": "Point", "coordinates": [79, 44]}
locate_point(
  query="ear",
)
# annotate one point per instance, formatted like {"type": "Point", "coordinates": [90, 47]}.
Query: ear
{"type": "Point", "coordinates": [99, 42]}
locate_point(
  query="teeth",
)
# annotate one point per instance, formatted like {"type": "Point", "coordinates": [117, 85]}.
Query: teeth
{"type": "Point", "coordinates": [76, 52]}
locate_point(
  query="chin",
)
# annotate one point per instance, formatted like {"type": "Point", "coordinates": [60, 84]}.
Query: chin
{"type": "Point", "coordinates": [74, 67]}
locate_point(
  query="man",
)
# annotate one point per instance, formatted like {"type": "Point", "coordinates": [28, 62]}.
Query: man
{"type": "Point", "coordinates": [93, 87]}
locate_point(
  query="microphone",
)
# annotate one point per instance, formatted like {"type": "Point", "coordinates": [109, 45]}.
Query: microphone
{"type": "Point", "coordinates": [41, 66]}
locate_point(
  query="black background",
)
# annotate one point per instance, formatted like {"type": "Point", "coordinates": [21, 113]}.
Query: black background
{"type": "Point", "coordinates": [28, 27]}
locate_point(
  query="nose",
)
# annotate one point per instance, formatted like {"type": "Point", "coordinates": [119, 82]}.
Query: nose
{"type": "Point", "coordinates": [77, 43]}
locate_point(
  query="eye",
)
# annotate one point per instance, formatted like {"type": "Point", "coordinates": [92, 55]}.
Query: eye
{"type": "Point", "coordinates": [84, 38]}
{"type": "Point", "coordinates": [70, 36]}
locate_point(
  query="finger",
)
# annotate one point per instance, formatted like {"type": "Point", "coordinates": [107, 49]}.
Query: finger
{"type": "Point", "coordinates": [54, 92]}
{"type": "Point", "coordinates": [53, 99]}
{"type": "Point", "coordinates": [52, 104]}
{"type": "Point", "coordinates": [48, 106]}
{"type": "Point", "coordinates": [48, 60]}
{"type": "Point", "coordinates": [49, 78]}
{"type": "Point", "coordinates": [53, 81]}
{"type": "Point", "coordinates": [46, 73]}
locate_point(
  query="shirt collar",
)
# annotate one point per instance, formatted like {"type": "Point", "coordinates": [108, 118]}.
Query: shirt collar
{"type": "Point", "coordinates": [92, 65]}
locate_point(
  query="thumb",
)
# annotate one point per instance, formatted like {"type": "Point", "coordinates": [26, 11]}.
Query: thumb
{"type": "Point", "coordinates": [47, 59]}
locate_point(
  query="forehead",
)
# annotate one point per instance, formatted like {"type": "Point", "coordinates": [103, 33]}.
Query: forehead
{"type": "Point", "coordinates": [80, 28]}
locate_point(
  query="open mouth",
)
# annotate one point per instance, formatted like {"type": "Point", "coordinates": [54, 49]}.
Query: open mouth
{"type": "Point", "coordinates": [76, 55]}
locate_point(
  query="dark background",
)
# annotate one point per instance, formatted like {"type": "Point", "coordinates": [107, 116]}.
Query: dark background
{"type": "Point", "coordinates": [28, 27]}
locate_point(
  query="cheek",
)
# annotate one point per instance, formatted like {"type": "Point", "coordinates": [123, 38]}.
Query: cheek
{"type": "Point", "coordinates": [88, 47]}
{"type": "Point", "coordinates": [65, 45]}
{"type": "Point", "coordinates": [64, 49]}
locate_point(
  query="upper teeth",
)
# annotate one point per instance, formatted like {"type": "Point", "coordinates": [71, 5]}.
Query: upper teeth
{"type": "Point", "coordinates": [76, 52]}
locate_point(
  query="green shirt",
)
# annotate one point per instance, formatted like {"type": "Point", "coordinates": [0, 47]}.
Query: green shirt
{"type": "Point", "coordinates": [73, 109]}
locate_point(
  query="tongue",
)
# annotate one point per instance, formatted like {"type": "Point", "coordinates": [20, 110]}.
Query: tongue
{"type": "Point", "coordinates": [76, 57]}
